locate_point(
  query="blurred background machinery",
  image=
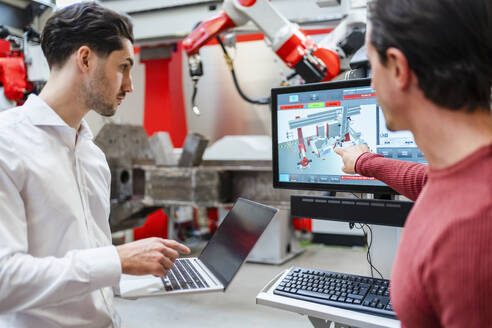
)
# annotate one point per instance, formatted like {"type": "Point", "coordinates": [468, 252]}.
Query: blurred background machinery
{"type": "Point", "coordinates": [23, 68]}
{"type": "Point", "coordinates": [140, 186]}
{"type": "Point", "coordinates": [164, 104]}
{"type": "Point", "coordinates": [142, 141]}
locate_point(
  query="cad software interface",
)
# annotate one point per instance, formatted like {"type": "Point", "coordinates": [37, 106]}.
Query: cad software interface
{"type": "Point", "coordinates": [310, 125]}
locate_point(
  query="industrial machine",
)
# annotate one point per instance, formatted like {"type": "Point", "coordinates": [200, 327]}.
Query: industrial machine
{"type": "Point", "coordinates": [13, 71]}
{"type": "Point", "coordinates": [141, 184]}
{"type": "Point", "coordinates": [221, 179]}
{"type": "Point", "coordinates": [23, 67]}
{"type": "Point", "coordinates": [297, 50]}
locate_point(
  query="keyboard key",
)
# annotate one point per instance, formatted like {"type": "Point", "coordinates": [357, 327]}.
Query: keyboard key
{"type": "Point", "coordinates": [355, 296]}
{"type": "Point", "coordinates": [312, 294]}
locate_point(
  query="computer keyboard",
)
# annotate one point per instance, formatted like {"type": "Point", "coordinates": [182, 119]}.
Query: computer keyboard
{"type": "Point", "coordinates": [183, 276]}
{"type": "Point", "coordinates": [342, 290]}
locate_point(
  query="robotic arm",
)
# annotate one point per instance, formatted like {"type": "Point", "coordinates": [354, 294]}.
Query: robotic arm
{"type": "Point", "coordinates": [23, 68]}
{"type": "Point", "coordinates": [296, 49]}
{"type": "Point", "coordinates": [13, 76]}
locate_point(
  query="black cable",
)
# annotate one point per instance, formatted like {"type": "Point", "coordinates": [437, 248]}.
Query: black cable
{"type": "Point", "coordinates": [369, 244]}
{"type": "Point", "coordinates": [356, 196]}
{"type": "Point", "coordinates": [260, 101]}
{"type": "Point", "coordinates": [368, 257]}
{"type": "Point", "coordinates": [369, 254]}
{"type": "Point", "coordinates": [292, 75]}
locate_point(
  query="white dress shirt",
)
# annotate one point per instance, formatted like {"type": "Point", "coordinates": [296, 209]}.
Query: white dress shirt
{"type": "Point", "coordinates": [56, 259]}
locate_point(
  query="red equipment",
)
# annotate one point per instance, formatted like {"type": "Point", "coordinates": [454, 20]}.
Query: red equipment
{"type": "Point", "coordinates": [296, 49]}
{"type": "Point", "coordinates": [13, 76]}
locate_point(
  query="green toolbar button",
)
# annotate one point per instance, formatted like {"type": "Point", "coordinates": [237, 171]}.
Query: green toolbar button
{"type": "Point", "coordinates": [316, 105]}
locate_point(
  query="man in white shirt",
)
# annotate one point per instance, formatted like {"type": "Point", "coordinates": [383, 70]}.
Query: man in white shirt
{"type": "Point", "coordinates": [57, 264]}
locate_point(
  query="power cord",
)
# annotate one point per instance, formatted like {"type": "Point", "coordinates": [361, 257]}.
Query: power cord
{"type": "Point", "coordinates": [230, 64]}
{"type": "Point", "coordinates": [369, 244]}
{"type": "Point", "coordinates": [369, 259]}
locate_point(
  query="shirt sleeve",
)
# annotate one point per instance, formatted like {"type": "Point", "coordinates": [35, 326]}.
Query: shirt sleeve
{"type": "Point", "coordinates": [457, 272]}
{"type": "Point", "coordinates": [406, 178]}
{"type": "Point", "coordinates": [28, 282]}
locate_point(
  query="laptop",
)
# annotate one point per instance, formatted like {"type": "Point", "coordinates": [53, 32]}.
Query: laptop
{"type": "Point", "coordinates": [219, 261]}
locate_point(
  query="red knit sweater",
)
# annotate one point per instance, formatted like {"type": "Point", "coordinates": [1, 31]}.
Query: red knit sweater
{"type": "Point", "coordinates": [442, 275]}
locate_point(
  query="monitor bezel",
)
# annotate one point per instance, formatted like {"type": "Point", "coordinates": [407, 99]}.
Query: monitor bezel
{"type": "Point", "coordinates": [315, 186]}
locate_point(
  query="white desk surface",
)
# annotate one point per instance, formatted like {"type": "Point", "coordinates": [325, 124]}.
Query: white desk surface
{"type": "Point", "coordinates": [330, 313]}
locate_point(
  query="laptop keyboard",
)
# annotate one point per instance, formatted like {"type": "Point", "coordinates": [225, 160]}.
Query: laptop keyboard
{"type": "Point", "coordinates": [183, 275]}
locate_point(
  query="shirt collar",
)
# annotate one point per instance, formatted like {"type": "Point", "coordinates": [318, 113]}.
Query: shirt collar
{"type": "Point", "coordinates": [40, 113]}
{"type": "Point", "coordinates": [85, 131]}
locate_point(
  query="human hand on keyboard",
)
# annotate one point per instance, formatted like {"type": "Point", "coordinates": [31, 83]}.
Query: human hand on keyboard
{"type": "Point", "coordinates": [150, 256]}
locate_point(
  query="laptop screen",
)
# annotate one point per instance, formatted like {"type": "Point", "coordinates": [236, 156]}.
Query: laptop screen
{"type": "Point", "coordinates": [235, 238]}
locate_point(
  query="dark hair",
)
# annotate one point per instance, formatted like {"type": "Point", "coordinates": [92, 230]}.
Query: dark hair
{"type": "Point", "coordinates": [85, 23]}
{"type": "Point", "coordinates": [448, 44]}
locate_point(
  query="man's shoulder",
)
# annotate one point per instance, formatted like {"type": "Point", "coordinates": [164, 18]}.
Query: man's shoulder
{"type": "Point", "coordinates": [10, 123]}
{"type": "Point", "coordinates": [10, 118]}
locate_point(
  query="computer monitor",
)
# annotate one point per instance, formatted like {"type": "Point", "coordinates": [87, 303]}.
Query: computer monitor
{"type": "Point", "coordinates": [310, 121]}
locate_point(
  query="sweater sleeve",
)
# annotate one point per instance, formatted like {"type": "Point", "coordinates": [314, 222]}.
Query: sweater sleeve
{"type": "Point", "coordinates": [406, 178]}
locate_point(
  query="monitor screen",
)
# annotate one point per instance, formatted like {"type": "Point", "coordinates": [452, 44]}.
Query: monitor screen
{"type": "Point", "coordinates": [310, 121]}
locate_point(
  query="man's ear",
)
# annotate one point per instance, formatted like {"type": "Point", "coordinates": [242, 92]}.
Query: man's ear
{"type": "Point", "coordinates": [84, 58]}
{"type": "Point", "coordinates": [399, 69]}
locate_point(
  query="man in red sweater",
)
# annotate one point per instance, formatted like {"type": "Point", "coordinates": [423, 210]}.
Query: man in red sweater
{"type": "Point", "coordinates": [432, 71]}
